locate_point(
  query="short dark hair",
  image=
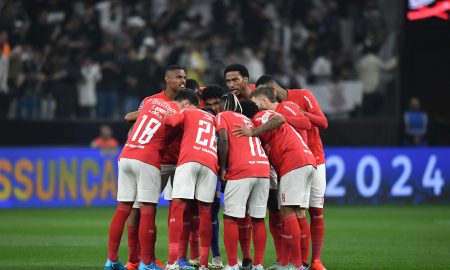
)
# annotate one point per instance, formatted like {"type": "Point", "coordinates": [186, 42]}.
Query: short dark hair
{"type": "Point", "coordinates": [264, 79]}
{"type": "Point", "coordinates": [192, 84]}
{"type": "Point", "coordinates": [229, 102]}
{"type": "Point", "coordinates": [209, 110]}
{"type": "Point", "coordinates": [237, 67]}
{"type": "Point", "coordinates": [249, 108]}
{"type": "Point", "coordinates": [174, 67]}
{"type": "Point", "coordinates": [212, 91]}
{"type": "Point", "coordinates": [187, 94]}
{"type": "Point", "coordinates": [264, 91]}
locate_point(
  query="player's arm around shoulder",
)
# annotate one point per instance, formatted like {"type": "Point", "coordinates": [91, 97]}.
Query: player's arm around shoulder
{"type": "Point", "coordinates": [174, 119]}
{"type": "Point", "coordinates": [270, 121]}
{"type": "Point", "coordinates": [313, 110]}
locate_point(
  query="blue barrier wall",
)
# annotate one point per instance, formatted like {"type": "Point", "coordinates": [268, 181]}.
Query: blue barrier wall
{"type": "Point", "coordinates": [77, 177]}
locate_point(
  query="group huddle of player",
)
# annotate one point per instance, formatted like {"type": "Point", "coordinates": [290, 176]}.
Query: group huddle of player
{"type": "Point", "coordinates": [259, 145]}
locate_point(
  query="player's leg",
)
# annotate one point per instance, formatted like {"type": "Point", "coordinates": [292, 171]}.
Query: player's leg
{"type": "Point", "coordinates": [194, 237]}
{"type": "Point", "coordinates": [257, 204]}
{"type": "Point", "coordinates": [235, 206]}
{"type": "Point", "coordinates": [216, 262]}
{"type": "Point", "coordinates": [184, 239]}
{"type": "Point", "coordinates": [133, 237]}
{"type": "Point", "coordinates": [204, 194]}
{"type": "Point", "coordinates": [275, 224]}
{"type": "Point", "coordinates": [183, 190]}
{"type": "Point", "coordinates": [245, 239]}
{"type": "Point", "coordinates": [317, 224]}
{"type": "Point", "coordinates": [127, 185]}
{"type": "Point", "coordinates": [305, 241]}
{"type": "Point", "coordinates": [294, 193]}
{"type": "Point", "coordinates": [149, 190]}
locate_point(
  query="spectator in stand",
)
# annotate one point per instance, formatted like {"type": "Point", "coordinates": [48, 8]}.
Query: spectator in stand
{"type": "Point", "coordinates": [369, 68]}
{"type": "Point", "coordinates": [5, 51]}
{"type": "Point", "coordinates": [87, 88]}
{"type": "Point", "coordinates": [416, 124]}
{"type": "Point", "coordinates": [105, 139]}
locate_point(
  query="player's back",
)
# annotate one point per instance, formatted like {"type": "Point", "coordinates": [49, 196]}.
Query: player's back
{"type": "Point", "coordinates": [286, 108]}
{"type": "Point", "coordinates": [246, 158]}
{"type": "Point", "coordinates": [148, 135]}
{"type": "Point", "coordinates": [308, 103]}
{"type": "Point", "coordinates": [288, 151]}
{"type": "Point", "coordinates": [199, 142]}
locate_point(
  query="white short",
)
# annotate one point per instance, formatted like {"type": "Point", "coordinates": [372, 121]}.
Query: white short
{"type": "Point", "coordinates": [253, 192]}
{"type": "Point", "coordinates": [273, 178]}
{"type": "Point", "coordinates": [318, 185]}
{"type": "Point", "coordinates": [167, 173]}
{"type": "Point", "coordinates": [194, 180]}
{"type": "Point", "coordinates": [138, 181]}
{"type": "Point", "coordinates": [295, 187]}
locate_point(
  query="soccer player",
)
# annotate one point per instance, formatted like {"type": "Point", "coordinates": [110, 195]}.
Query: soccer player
{"type": "Point", "coordinates": [311, 109]}
{"type": "Point", "coordinates": [247, 181]}
{"type": "Point", "coordinates": [140, 178]}
{"type": "Point", "coordinates": [295, 165]}
{"type": "Point", "coordinates": [211, 98]}
{"type": "Point", "coordinates": [195, 178]}
{"type": "Point", "coordinates": [236, 78]}
{"type": "Point", "coordinates": [266, 100]}
{"type": "Point", "coordinates": [175, 79]}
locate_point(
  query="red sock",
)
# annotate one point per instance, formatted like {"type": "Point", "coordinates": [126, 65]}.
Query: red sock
{"type": "Point", "coordinates": [304, 228]}
{"type": "Point", "coordinates": [205, 230]}
{"type": "Point", "coordinates": [133, 240]}
{"type": "Point", "coordinates": [169, 214]}
{"type": "Point", "coordinates": [275, 226]}
{"type": "Point", "coordinates": [175, 229]}
{"type": "Point", "coordinates": [231, 239]}
{"type": "Point", "coordinates": [184, 240]}
{"type": "Point", "coordinates": [291, 239]}
{"type": "Point", "coordinates": [154, 241]}
{"type": "Point", "coordinates": [194, 238]}
{"type": "Point", "coordinates": [245, 235]}
{"type": "Point", "coordinates": [116, 229]}
{"type": "Point", "coordinates": [259, 240]}
{"type": "Point", "coordinates": [147, 232]}
{"type": "Point", "coordinates": [317, 231]}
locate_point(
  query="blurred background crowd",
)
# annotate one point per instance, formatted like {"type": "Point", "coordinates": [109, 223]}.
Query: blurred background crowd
{"type": "Point", "coordinates": [63, 59]}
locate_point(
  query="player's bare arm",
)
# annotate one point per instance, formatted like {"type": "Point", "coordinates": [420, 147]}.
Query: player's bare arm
{"type": "Point", "coordinates": [131, 116]}
{"type": "Point", "coordinates": [275, 121]}
{"type": "Point", "coordinates": [223, 149]}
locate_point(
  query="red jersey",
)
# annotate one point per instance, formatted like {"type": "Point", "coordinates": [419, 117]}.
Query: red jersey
{"type": "Point", "coordinates": [170, 153]}
{"type": "Point", "coordinates": [308, 103]}
{"type": "Point", "coordinates": [288, 151]}
{"type": "Point", "coordinates": [160, 95]}
{"type": "Point", "coordinates": [148, 136]}
{"type": "Point", "coordinates": [295, 118]}
{"type": "Point", "coordinates": [246, 157]}
{"type": "Point", "coordinates": [199, 137]}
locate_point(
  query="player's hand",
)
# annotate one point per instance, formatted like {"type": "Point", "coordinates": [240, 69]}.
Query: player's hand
{"type": "Point", "coordinates": [223, 175]}
{"type": "Point", "coordinates": [242, 130]}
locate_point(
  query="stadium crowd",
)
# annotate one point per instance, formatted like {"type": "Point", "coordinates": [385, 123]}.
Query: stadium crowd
{"type": "Point", "coordinates": [97, 59]}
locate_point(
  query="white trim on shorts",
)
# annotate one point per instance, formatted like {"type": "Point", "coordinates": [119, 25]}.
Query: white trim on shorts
{"type": "Point", "coordinates": [194, 180]}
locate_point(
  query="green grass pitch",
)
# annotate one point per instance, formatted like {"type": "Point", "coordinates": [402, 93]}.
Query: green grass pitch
{"type": "Point", "coordinates": [356, 237]}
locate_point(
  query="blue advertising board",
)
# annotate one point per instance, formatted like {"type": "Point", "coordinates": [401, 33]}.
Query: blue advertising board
{"type": "Point", "coordinates": [78, 177]}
